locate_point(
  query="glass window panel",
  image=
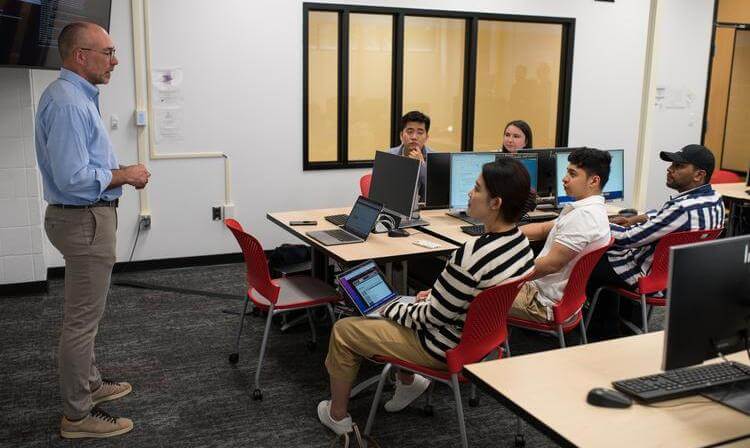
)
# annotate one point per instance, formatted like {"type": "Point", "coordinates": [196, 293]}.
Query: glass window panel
{"type": "Point", "coordinates": [434, 76]}
{"type": "Point", "coordinates": [518, 77]}
{"type": "Point", "coordinates": [370, 62]}
{"type": "Point", "coordinates": [322, 117]}
{"type": "Point", "coordinates": [737, 134]}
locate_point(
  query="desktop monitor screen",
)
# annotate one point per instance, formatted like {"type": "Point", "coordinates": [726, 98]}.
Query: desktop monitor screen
{"type": "Point", "coordinates": [708, 301]}
{"type": "Point", "coordinates": [613, 189]}
{"type": "Point", "coordinates": [546, 174]}
{"type": "Point", "coordinates": [465, 168]}
{"type": "Point", "coordinates": [530, 162]}
{"type": "Point", "coordinates": [437, 190]}
{"type": "Point", "coordinates": [394, 182]}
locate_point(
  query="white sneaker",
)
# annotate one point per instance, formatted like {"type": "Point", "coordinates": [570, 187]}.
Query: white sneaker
{"type": "Point", "coordinates": [406, 394]}
{"type": "Point", "coordinates": [324, 415]}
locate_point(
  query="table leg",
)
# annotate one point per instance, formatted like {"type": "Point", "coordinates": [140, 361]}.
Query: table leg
{"type": "Point", "coordinates": [404, 279]}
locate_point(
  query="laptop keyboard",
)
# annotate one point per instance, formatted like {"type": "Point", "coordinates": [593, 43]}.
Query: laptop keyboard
{"type": "Point", "coordinates": [342, 235]}
{"type": "Point", "coordinates": [338, 220]}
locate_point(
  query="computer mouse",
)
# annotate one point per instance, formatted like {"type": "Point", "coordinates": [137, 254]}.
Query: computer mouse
{"type": "Point", "coordinates": [628, 212]}
{"type": "Point", "coordinates": [398, 233]}
{"type": "Point", "coordinates": [608, 398]}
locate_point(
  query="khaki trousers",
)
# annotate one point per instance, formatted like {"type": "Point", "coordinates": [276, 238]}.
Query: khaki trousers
{"type": "Point", "coordinates": [86, 239]}
{"type": "Point", "coordinates": [355, 338]}
{"type": "Point", "coordinates": [526, 306]}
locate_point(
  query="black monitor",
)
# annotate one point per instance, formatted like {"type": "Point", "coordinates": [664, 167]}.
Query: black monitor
{"type": "Point", "coordinates": [29, 28]}
{"type": "Point", "coordinates": [708, 301]}
{"type": "Point", "coordinates": [530, 161]}
{"type": "Point", "coordinates": [437, 190]}
{"type": "Point", "coordinates": [394, 183]}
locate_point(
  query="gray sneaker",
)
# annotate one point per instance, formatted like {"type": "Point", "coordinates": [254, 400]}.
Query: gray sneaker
{"type": "Point", "coordinates": [110, 390]}
{"type": "Point", "coordinates": [97, 424]}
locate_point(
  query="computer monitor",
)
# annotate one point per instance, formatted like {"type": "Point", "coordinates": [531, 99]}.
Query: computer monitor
{"type": "Point", "coordinates": [613, 189]}
{"type": "Point", "coordinates": [708, 301]}
{"type": "Point", "coordinates": [465, 168]}
{"type": "Point", "coordinates": [437, 190]}
{"type": "Point", "coordinates": [394, 183]}
{"type": "Point", "coordinates": [530, 161]}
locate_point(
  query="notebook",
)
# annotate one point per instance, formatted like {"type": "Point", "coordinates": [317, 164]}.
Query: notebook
{"type": "Point", "coordinates": [367, 289]}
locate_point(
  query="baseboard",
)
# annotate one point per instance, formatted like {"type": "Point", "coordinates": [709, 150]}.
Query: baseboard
{"type": "Point", "coordinates": [164, 263]}
{"type": "Point", "coordinates": [22, 289]}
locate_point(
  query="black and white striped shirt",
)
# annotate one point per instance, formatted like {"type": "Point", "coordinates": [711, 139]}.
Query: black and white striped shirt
{"type": "Point", "coordinates": [633, 252]}
{"type": "Point", "coordinates": [477, 265]}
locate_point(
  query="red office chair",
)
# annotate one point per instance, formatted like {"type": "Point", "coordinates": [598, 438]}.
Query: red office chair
{"type": "Point", "coordinates": [364, 184]}
{"type": "Point", "coordinates": [656, 280]}
{"type": "Point", "coordinates": [567, 313]}
{"type": "Point", "coordinates": [275, 296]}
{"type": "Point", "coordinates": [726, 177]}
{"type": "Point", "coordinates": [484, 331]}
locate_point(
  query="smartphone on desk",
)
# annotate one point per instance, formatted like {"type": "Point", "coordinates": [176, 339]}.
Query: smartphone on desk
{"type": "Point", "coordinates": [303, 223]}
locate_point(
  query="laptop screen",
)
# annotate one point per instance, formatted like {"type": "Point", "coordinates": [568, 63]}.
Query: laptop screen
{"type": "Point", "coordinates": [362, 217]}
{"type": "Point", "coordinates": [366, 286]}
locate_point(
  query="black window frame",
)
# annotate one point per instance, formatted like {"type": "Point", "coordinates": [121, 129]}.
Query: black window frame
{"type": "Point", "coordinates": [470, 54]}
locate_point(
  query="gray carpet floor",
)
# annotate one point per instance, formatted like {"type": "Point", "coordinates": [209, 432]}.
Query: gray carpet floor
{"type": "Point", "coordinates": [173, 348]}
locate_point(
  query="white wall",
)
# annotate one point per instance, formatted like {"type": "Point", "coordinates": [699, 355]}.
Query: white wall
{"type": "Point", "coordinates": [242, 68]}
{"type": "Point", "coordinates": [21, 241]}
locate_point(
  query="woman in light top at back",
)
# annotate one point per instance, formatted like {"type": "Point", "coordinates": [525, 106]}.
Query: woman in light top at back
{"type": "Point", "coordinates": [517, 135]}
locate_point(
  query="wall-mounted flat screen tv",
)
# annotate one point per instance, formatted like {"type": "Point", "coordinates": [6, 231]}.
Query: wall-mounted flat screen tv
{"type": "Point", "coordinates": [29, 28]}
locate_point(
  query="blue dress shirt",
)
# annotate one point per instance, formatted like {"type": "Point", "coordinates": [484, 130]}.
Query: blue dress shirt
{"type": "Point", "coordinates": [73, 149]}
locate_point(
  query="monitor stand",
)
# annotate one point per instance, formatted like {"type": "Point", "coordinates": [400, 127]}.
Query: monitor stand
{"type": "Point", "coordinates": [735, 395]}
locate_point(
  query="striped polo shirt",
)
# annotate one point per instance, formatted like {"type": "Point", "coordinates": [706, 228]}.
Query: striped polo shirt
{"type": "Point", "coordinates": [477, 265]}
{"type": "Point", "coordinates": [633, 252]}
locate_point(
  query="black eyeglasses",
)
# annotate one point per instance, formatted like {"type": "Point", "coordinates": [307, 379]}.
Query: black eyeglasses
{"type": "Point", "coordinates": [110, 52]}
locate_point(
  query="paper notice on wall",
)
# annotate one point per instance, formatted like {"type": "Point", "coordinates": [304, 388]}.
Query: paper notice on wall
{"type": "Point", "coordinates": [168, 124]}
{"type": "Point", "coordinates": [167, 88]}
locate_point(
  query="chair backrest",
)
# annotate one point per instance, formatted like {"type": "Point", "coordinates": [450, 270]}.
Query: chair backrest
{"type": "Point", "coordinates": [725, 177]}
{"type": "Point", "coordinates": [364, 184]}
{"type": "Point", "coordinates": [258, 276]}
{"type": "Point", "coordinates": [656, 280]}
{"type": "Point", "coordinates": [484, 328]}
{"type": "Point", "coordinates": [574, 294]}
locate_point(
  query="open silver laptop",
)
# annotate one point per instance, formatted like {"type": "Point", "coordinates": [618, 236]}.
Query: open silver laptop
{"type": "Point", "coordinates": [366, 288]}
{"type": "Point", "coordinates": [358, 225]}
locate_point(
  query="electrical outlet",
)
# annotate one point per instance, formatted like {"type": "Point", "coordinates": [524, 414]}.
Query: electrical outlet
{"type": "Point", "coordinates": [216, 213]}
{"type": "Point", "coordinates": [144, 221]}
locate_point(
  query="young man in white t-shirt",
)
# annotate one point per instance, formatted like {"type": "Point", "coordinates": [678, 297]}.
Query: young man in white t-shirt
{"type": "Point", "coordinates": [581, 227]}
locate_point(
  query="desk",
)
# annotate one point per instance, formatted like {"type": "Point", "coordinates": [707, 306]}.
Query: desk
{"type": "Point", "coordinates": [735, 195]}
{"type": "Point", "coordinates": [549, 390]}
{"type": "Point", "coordinates": [378, 247]}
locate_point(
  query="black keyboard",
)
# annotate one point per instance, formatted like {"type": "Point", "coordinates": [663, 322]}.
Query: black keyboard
{"type": "Point", "coordinates": [473, 230]}
{"type": "Point", "coordinates": [342, 235]}
{"type": "Point", "coordinates": [338, 220]}
{"type": "Point", "coordinates": [681, 382]}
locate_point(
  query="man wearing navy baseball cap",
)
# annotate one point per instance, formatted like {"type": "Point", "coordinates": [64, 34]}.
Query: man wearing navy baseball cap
{"type": "Point", "coordinates": [696, 206]}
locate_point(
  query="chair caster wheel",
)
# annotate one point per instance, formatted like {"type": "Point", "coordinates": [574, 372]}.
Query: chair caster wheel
{"type": "Point", "coordinates": [474, 402]}
{"type": "Point", "coordinates": [520, 441]}
{"type": "Point", "coordinates": [311, 346]}
{"type": "Point", "coordinates": [428, 410]}
{"type": "Point", "coordinates": [234, 357]}
{"type": "Point", "coordinates": [257, 395]}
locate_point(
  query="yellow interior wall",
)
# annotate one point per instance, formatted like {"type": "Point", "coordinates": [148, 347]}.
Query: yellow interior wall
{"type": "Point", "coordinates": [737, 139]}
{"type": "Point", "coordinates": [733, 11]}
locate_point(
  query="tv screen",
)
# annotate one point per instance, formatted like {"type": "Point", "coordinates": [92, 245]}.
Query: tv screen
{"type": "Point", "coordinates": [29, 28]}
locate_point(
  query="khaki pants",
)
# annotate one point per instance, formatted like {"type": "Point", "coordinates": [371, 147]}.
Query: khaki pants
{"type": "Point", "coordinates": [355, 338]}
{"type": "Point", "coordinates": [527, 307]}
{"type": "Point", "coordinates": [86, 238]}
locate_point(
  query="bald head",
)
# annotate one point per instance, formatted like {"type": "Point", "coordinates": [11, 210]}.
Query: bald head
{"type": "Point", "coordinates": [76, 35]}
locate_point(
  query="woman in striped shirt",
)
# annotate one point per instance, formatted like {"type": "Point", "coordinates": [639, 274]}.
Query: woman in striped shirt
{"type": "Point", "coordinates": [423, 331]}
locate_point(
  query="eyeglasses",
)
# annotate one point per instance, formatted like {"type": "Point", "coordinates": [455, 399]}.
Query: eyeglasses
{"type": "Point", "coordinates": [110, 52]}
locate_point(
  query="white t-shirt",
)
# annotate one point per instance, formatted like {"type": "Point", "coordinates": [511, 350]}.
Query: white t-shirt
{"type": "Point", "coordinates": [582, 226]}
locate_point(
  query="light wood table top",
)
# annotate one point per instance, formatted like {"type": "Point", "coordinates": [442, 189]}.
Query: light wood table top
{"type": "Point", "coordinates": [378, 246]}
{"type": "Point", "coordinates": [549, 389]}
{"type": "Point", "coordinates": [733, 190]}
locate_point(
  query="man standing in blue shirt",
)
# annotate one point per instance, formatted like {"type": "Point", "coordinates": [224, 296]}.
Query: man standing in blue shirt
{"type": "Point", "coordinates": [415, 130]}
{"type": "Point", "coordinates": [82, 183]}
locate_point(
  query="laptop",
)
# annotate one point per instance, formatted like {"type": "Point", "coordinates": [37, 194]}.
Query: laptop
{"type": "Point", "coordinates": [358, 226]}
{"type": "Point", "coordinates": [366, 288]}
